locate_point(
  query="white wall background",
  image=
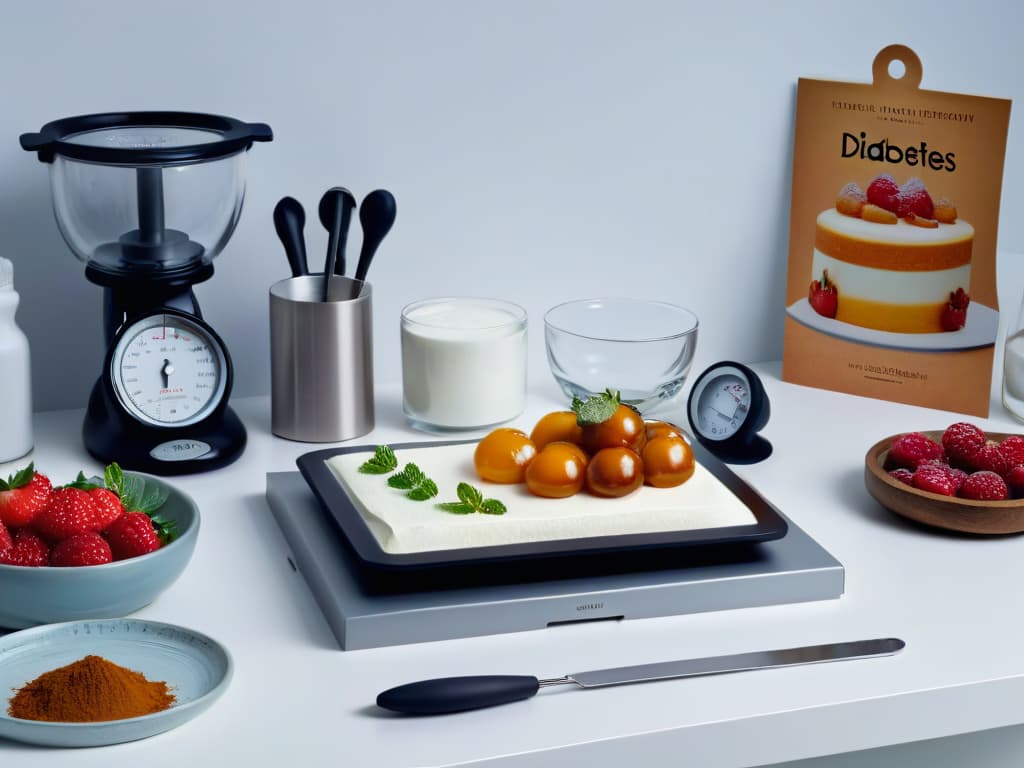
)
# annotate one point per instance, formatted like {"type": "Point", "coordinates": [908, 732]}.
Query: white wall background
{"type": "Point", "coordinates": [539, 150]}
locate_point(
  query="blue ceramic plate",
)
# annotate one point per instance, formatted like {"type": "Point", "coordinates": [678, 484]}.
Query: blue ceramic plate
{"type": "Point", "coordinates": [195, 667]}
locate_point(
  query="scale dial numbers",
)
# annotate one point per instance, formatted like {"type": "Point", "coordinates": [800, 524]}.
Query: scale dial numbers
{"type": "Point", "coordinates": [168, 370]}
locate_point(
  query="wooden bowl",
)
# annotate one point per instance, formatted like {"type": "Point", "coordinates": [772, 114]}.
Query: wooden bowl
{"type": "Point", "coordinates": [949, 512]}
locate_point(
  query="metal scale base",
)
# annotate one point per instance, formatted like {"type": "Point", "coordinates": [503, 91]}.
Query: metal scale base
{"type": "Point", "coordinates": [790, 570]}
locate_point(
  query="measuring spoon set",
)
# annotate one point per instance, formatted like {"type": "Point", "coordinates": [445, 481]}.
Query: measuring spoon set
{"type": "Point", "coordinates": [376, 217]}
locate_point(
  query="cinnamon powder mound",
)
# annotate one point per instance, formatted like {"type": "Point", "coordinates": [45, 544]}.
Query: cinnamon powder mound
{"type": "Point", "coordinates": [91, 689]}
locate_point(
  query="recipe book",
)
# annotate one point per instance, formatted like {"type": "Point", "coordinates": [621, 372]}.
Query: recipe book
{"type": "Point", "coordinates": [891, 289]}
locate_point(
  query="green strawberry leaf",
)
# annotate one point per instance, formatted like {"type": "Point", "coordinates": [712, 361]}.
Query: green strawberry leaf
{"type": "Point", "coordinates": [166, 529]}
{"type": "Point", "coordinates": [153, 497]}
{"type": "Point", "coordinates": [455, 507]}
{"type": "Point", "coordinates": [113, 478]}
{"type": "Point", "coordinates": [596, 409]}
{"type": "Point", "coordinates": [83, 483]}
{"type": "Point", "coordinates": [382, 462]}
{"type": "Point", "coordinates": [20, 478]}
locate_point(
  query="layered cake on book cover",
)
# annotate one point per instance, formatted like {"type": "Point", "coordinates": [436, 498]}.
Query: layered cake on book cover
{"type": "Point", "coordinates": [892, 258]}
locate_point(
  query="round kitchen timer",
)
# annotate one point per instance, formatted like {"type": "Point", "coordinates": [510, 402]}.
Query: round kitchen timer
{"type": "Point", "coordinates": [727, 408]}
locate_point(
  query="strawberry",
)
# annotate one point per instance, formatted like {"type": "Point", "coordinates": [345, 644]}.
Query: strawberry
{"type": "Point", "coordinates": [22, 496]}
{"type": "Point", "coordinates": [5, 539]}
{"type": "Point", "coordinates": [87, 548]}
{"type": "Point", "coordinates": [960, 440]}
{"type": "Point", "coordinates": [935, 478]}
{"type": "Point", "coordinates": [108, 508]}
{"type": "Point", "coordinates": [914, 200]}
{"type": "Point", "coordinates": [70, 511]}
{"type": "Point", "coordinates": [28, 550]}
{"type": "Point", "coordinates": [911, 449]}
{"type": "Point", "coordinates": [131, 535]}
{"type": "Point", "coordinates": [954, 314]}
{"type": "Point", "coordinates": [823, 296]}
{"type": "Point", "coordinates": [988, 458]}
{"type": "Point", "coordinates": [1012, 448]}
{"type": "Point", "coordinates": [984, 486]}
{"type": "Point", "coordinates": [884, 192]}
{"type": "Point", "coordinates": [903, 475]}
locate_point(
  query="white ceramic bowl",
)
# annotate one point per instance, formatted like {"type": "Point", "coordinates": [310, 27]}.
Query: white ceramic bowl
{"type": "Point", "coordinates": [640, 347]}
{"type": "Point", "coordinates": [30, 596]}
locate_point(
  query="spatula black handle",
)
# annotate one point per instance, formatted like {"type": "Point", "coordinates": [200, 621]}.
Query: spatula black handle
{"type": "Point", "coordinates": [457, 694]}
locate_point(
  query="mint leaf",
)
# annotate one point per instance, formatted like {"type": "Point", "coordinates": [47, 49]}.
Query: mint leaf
{"type": "Point", "coordinates": [469, 495]}
{"type": "Point", "coordinates": [382, 462]}
{"type": "Point", "coordinates": [596, 409]}
{"type": "Point", "coordinates": [456, 508]}
{"type": "Point", "coordinates": [493, 507]}
{"type": "Point", "coordinates": [401, 481]}
{"type": "Point", "coordinates": [425, 490]}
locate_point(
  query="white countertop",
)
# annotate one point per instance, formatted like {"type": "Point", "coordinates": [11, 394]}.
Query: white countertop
{"type": "Point", "coordinates": [297, 699]}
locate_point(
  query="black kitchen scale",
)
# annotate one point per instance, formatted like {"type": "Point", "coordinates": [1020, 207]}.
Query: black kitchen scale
{"type": "Point", "coordinates": [147, 200]}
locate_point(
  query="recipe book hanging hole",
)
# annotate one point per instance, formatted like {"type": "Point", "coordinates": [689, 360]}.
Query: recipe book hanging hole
{"type": "Point", "coordinates": [897, 66]}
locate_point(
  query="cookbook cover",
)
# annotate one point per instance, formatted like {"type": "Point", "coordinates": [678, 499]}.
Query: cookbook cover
{"type": "Point", "coordinates": [891, 289]}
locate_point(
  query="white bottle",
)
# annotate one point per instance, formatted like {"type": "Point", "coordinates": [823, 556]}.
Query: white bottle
{"type": "Point", "coordinates": [15, 375]}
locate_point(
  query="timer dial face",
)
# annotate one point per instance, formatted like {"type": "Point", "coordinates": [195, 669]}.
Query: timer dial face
{"type": "Point", "coordinates": [168, 370]}
{"type": "Point", "coordinates": [721, 404]}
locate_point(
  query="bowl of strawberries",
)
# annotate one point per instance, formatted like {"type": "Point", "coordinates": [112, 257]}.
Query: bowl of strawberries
{"type": "Point", "coordinates": [93, 548]}
{"type": "Point", "coordinates": [960, 478]}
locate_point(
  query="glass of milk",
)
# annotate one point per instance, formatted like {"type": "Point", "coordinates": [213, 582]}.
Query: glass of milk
{"type": "Point", "coordinates": [463, 363]}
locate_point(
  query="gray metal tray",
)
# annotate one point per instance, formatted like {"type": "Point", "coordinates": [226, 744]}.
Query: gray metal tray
{"type": "Point", "coordinates": [788, 570]}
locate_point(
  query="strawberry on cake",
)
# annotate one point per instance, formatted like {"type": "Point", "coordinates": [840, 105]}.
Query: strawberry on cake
{"type": "Point", "coordinates": [896, 260]}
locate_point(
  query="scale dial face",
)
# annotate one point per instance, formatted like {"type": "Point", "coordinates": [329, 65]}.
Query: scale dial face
{"type": "Point", "coordinates": [720, 404]}
{"type": "Point", "coordinates": [168, 370]}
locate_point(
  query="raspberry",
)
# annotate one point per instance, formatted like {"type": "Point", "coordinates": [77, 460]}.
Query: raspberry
{"type": "Point", "coordinates": [911, 449]}
{"type": "Point", "coordinates": [961, 439]}
{"type": "Point", "coordinates": [988, 458]}
{"type": "Point", "coordinates": [903, 475]}
{"type": "Point", "coordinates": [935, 478]}
{"type": "Point", "coordinates": [984, 486]}
{"type": "Point", "coordinates": [884, 192]}
{"type": "Point", "coordinates": [914, 199]}
{"type": "Point", "coordinates": [1012, 448]}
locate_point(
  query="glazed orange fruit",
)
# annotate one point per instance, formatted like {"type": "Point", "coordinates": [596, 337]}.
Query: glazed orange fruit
{"type": "Point", "coordinates": [557, 426]}
{"type": "Point", "coordinates": [662, 429]}
{"type": "Point", "coordinates": [503, 455]}
{"type": "Point", "coordinates": [625, 429]}
{"type": "Point", "coordinates": [615, 472]}
{"type": "Point", "coordinates": [668, 462]}
{"type": "Point", "coordinates": [559, 470]}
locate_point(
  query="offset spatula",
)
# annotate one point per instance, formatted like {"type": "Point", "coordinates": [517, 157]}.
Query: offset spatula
{"type": "Point", "coordinates": [456, 694]}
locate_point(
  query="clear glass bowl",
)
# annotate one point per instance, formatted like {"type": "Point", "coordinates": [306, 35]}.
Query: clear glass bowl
{"type": "Point", "coordinates": [644, 349]}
